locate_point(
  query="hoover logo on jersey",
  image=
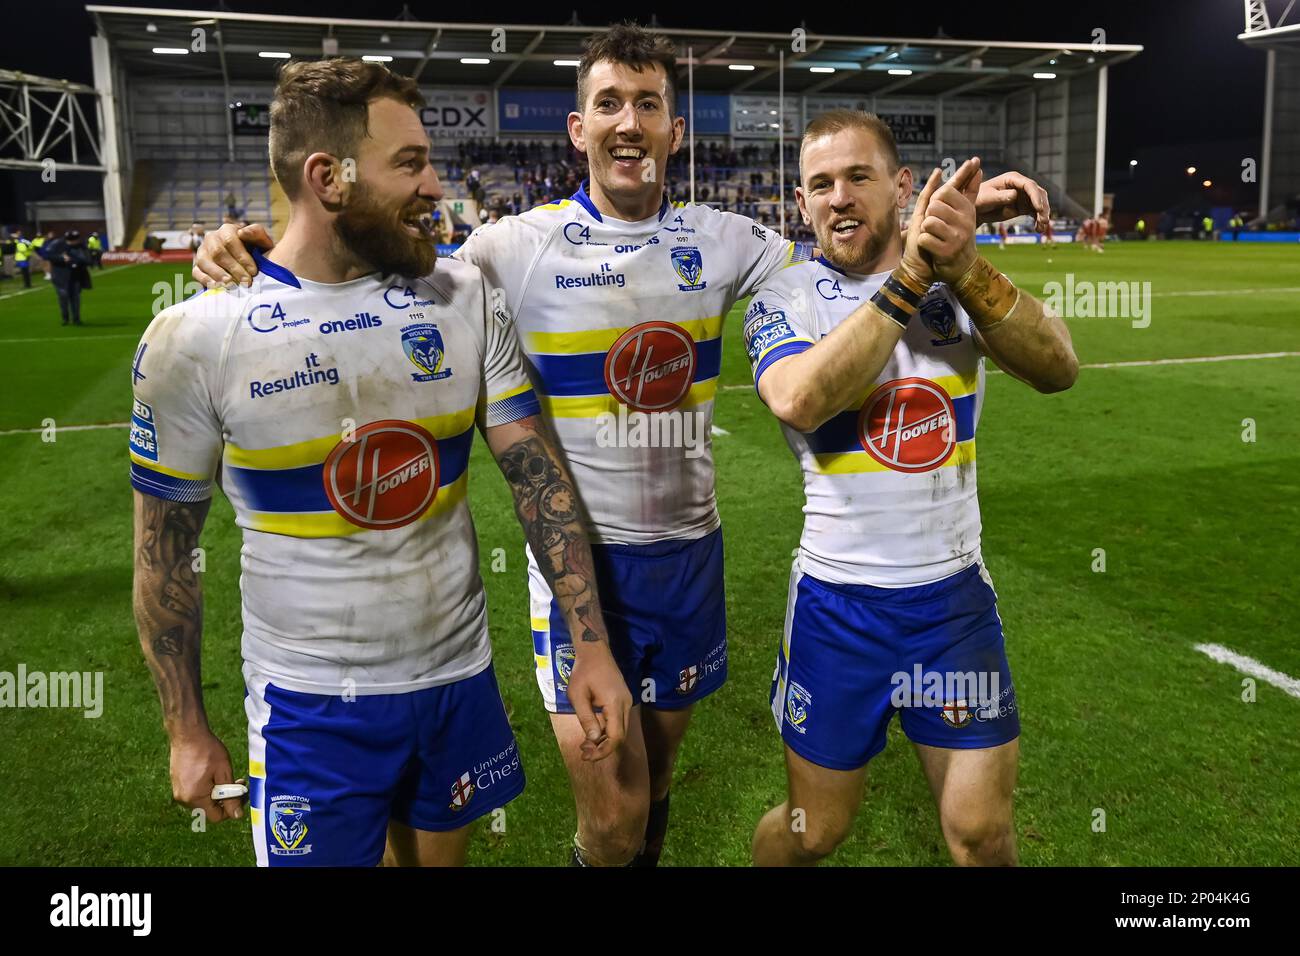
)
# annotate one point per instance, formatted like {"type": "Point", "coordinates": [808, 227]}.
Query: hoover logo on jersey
{"type": "Point", "coordinates": [797, 704]}
{"type": "Point", "coordinates": [938, 316]}
{"type": "Point", "coordinates": [908, 425]}
{"type": "Point", "coordinates": [651, 367]}
{"type": "Point", "coordinates": [422, 344]}
{"type": "Point", "coordinates": [385, 477]}
{"type": "Point", "coordinates": [689, 266]}
{"type": "Point", "coordinates": [289, 825]}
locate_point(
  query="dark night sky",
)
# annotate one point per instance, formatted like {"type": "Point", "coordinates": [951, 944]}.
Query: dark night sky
{"type": "Point", "coordinates": [1194, 82]}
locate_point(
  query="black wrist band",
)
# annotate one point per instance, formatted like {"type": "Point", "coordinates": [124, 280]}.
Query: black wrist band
{"type": "Point", "coordinates": [902, 292]}
{"type": "Point", "coordinates": [890, 308]}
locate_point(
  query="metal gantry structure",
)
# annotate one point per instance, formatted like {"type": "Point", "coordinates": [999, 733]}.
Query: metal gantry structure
{"type": "Point", "coordinates": [1261, 33]}
{"type": "Point", "coordinates": [43, 124]}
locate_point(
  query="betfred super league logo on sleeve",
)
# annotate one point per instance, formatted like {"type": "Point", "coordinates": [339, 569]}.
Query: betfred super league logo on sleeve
{"type": "Point", "coordinates": [423, 345]}
{"type": "Point", "coordinates": [144, 432]}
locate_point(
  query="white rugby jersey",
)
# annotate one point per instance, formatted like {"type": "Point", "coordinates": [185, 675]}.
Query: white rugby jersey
{"type": "Point", "coordinates": [338, 420]}
{"type": "Point", "coordinates": [890, 480]}
{"type": "Point", "coordinates": [621, 329]}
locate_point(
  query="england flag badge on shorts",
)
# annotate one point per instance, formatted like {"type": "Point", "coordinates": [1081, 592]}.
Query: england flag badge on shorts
{"type": "Point", "coordinates": [687, 679]}
{"type": "Point", "coordinates": [461, 792]}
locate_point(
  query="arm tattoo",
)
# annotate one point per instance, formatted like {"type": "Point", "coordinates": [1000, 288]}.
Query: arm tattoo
{"type": "Point", "coordinates": [1018, 331]}
{"type": "Point", "coordinates": [986, 294]}
{"type": "Point", "coordinates": [169, 643]}
{"type": "Point", "coordinates": [168, 602]}
{"type": "Point", "coordinates": [551, 515]}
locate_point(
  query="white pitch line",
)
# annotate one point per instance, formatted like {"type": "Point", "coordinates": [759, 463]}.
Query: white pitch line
{"type": "Point", "coordinates": [35, 288]}
{"type": "Point", "coordinates": [1251, 667]}
{"type": "Point", "coordinates": [49, 283]}
{"type": "Point", "coordinates": [72, 337]}
{"type": "Point", "coordinates": [1191, 292]}
{"type": "Point", "coordinates": [75, 337]}
{"type": "Point", "coordinates": [719, 431]}
{"type": "Point", "coordinates": [1193, 360]}
{"type": "Point", "coordinates": [67, 428]}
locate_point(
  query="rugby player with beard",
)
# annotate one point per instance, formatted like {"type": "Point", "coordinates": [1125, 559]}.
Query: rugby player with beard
{"type": "Point", "coordinates": [336, 397]}
{"type": "Point", "coordinates": [872, 357]}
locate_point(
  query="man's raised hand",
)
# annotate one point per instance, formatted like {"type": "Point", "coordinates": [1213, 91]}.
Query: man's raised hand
{"type": "Point", "coordinates": [915, 263]}
{"type": "Point", "coordinates": [948, 227]}
{"type": "Point", "coordinates": [1013, 194]}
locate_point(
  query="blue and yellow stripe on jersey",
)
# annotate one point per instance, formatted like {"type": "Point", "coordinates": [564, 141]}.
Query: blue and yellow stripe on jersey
{"type": "Point", "coordinates": [169, 484]}
{"type": "Point", "coordinates": [512, 405]}
{"type": "Point", "coordinates": [568, 368]}
{"type": "Point", "coordinates": [256, 791]}
{"type": "Point", "coordinates": [799, 252]}
{"type": "Point", "coordinates": [837, 448]}
{"type": "Point", "coordinates": [782, 346]}
{"type": "Point", "coordinates": [282, 490]}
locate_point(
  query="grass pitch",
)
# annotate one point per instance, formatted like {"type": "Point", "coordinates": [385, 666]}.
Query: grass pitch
{"type": "Point", "coordinates": [1120, 713]}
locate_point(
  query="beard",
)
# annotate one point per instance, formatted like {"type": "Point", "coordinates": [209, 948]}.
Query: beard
{"type": "Point", "coordinates": [377, 235]}
{"type": "Point", "coordinates": [857, 256]}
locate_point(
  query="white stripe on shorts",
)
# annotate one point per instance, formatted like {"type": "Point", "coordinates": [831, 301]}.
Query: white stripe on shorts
{"type": "Point", "coordinates": [778, 699]}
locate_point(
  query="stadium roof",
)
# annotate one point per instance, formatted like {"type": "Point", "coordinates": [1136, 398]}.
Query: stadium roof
{"type": "Point", "coordinates": [432, 52]}
{"type": "Point", "coordinates": [1279, 36]}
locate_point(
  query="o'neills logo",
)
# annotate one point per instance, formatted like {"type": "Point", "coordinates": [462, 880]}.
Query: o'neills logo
{"type": "Point", "coordinates": [651, 367]}
{"type": "Point", "coordinates": [908, 425]}
{"type": "Point", "coordinates": [385, 477]}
